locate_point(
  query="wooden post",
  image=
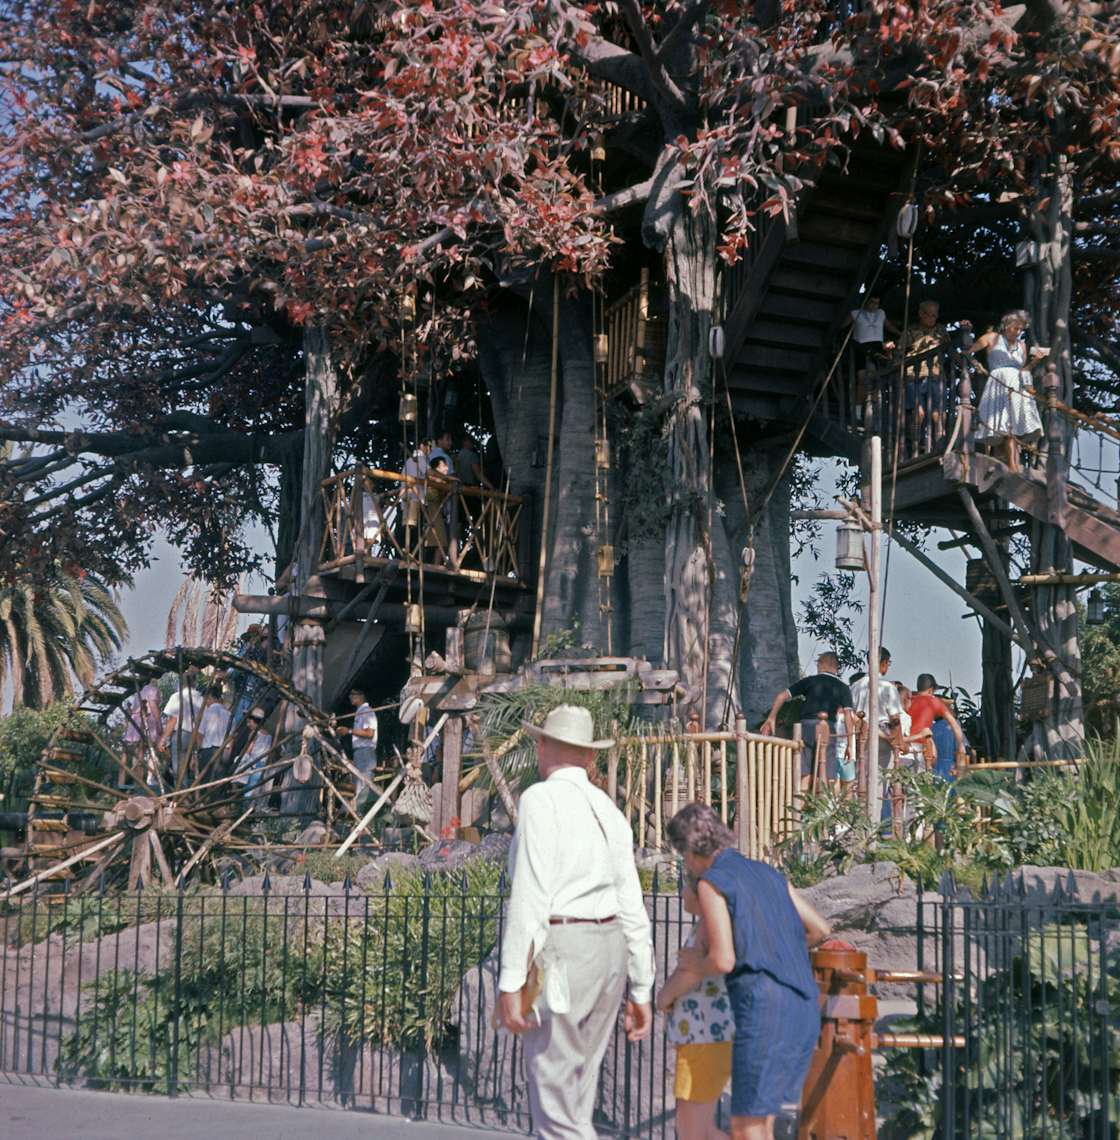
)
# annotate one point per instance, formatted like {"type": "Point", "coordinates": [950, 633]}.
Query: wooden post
{"type": "Point", "coordinates": [874, 791]}
{"type": "Point", "coordinates": [742, 796]}
{"type": "Point", "coordinates": [452, 740]}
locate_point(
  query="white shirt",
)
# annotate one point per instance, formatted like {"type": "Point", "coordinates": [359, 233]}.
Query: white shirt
{"type": "Point", "coordinates": [184, 704]}
{"type": "Point", "coordinates": [868, 327]}
{"type": "Point", "coordinates": [889, 704]}
{"type": "Point", "coordinates": [417, 468]}
{"type": "Point", "coordinates": [260, 744]}
{"type": "Point", "coordinates": [365, 718]}
{"type": "Point", "coordinates": [213, 725]}
{"type": "Point", "coordinates": [561, 865]}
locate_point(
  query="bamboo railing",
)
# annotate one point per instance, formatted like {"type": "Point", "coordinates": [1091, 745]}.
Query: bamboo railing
{"type": "Point", "coordinates": [753, 781]}
{"type": "Point", "coordinates": [375, 516]}
{"type": "Point", "coordinates": [635, 341]}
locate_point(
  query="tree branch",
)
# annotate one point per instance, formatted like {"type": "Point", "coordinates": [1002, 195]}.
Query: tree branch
{"type": "Point", "coordinates": [685, 23]}
{"type": "Point", "coordinates": [668, 94]}
{"type": "Point", "coordinates": [619, 199]}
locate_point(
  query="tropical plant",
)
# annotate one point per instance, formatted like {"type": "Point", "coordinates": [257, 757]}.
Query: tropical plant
{"type": "Point", "coordinates": [1040, 1060]}
{"type": "Point", "coordinates": [53, 632]}
{"type": "Point", "coordinates": [23, 736]}
{"type": "Point", "coordinates": [501, 716]}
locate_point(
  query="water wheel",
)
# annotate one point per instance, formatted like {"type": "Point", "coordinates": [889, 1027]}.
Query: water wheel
{"type": "Point", "coordinates": [123, 794]}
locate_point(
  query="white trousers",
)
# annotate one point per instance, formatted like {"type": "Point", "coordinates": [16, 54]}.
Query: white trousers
{"type": "Point", "coordinates": [563, 1056]}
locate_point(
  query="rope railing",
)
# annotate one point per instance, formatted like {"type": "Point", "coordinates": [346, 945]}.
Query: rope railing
{"type": "Point", "coordinates": [375, 516]}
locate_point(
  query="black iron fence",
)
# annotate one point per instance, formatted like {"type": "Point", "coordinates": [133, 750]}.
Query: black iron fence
{"type": "Point", "coordinates": [379, 996]}
{"type": "Point", "coordinates": [376, 997]}
{"type": "Point", "coordinates": [1032, 986]}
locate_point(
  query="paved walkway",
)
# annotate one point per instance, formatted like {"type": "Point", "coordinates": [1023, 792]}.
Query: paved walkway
{"type": "Point", "coordinates": [32, 1112]}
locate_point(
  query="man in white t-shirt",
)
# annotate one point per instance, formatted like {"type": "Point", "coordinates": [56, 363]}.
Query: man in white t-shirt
{"type": "Point", "coordinates": [889, 707]}
{"type": "Point", "coordinates": [363, 735]}
{"type": "Point", "coordinates": [182, 711]}
{"type": "Point", "coordinates": [213, 727]}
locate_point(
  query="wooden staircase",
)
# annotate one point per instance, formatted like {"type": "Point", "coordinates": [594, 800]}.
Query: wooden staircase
{"type": "Point", "coordinates": [786, 306]}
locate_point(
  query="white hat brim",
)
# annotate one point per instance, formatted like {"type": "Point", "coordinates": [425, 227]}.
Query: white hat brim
{"type": "Point", "coordinates": [536, 732]}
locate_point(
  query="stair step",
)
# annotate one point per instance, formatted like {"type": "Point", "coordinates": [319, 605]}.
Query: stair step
{"type": "Point", "coordinates": [829, 285]}
{"type": "Point", "coordinates": [854, 206]}
{"type": "Point", "coordinates": [803, 310]}
{"type": "Point", "coordinates": [838, 231]}
{"type": "Point", "coordinates": [776, 359]}
{"type": "Point", "coordinates": [751, 380]}
{"type": "Point", "coordinates": [785, 333]}
{"type": "Point", "coordinates": [863, 180]}
{"type": "Point", "coordinates": [819, 255]}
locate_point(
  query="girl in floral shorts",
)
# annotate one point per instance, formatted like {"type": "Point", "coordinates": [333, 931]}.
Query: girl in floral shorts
{"type": "Point", "coordinates": [701, 1027]}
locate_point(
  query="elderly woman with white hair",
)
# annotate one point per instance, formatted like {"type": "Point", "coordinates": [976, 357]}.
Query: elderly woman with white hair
{"type": "Point", "coordinates": [1007, 413]}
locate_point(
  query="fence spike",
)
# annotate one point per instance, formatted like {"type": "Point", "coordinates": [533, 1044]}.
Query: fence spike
{"type": "Point", "coordinates": [266, 885]}
{"type": "Point", "coordinates": [227, 878]}
{"type": "Point", "coordinates": [347, 885]}
{"type": "Point", "coordinates": [306, 881]}
{"type": "Point", "coordinates": [655, 886]}
{"type": "Point", "coordinates": [181, 883]}
{"type": "Point", "coordinates": [139, 883]}
{"type": "Point", "coordinates": [387, 886]}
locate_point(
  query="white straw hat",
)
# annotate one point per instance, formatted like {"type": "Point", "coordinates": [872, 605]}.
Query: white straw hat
{"type": "Point", "coordinates": [568, 724]}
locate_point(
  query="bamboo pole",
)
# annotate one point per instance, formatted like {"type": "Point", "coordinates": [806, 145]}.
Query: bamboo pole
{"type": "Point", "coordinates": [657, 802]}
{"type": "Point", "coordinates": [708, 772]}
{"type": "Point", "coordinates": [723, 780]}
{"type": "Point", "coordinates": [676, 788]}
{"type": "Point", "coordinates": [742, 799]}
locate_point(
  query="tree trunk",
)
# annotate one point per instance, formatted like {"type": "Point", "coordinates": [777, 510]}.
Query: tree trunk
{"type": "Point", "coordinates": [997, 705]}
{"type": "Point", "coordinates": [515, 358]}
{"type": "Point", "coordinates": [768, 660]}
{"type": "Point", "coordinates": [643, 601]}
{"type": "Point", "coordinates": [1054, 608]}
{"type": "Point", "coordinates": [321, 411]}
{"type": "Point", "coordinates": [700, 600]}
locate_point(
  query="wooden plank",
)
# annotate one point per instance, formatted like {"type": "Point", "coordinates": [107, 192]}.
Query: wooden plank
{"type": "Point", "coordinates": [774, 359]}
{"type": "Point", "coordinates": [801, 309]}
{"type": "Point", "coordinates": [810, 283]}
{"type": "Point", "coordinates": [837, 231]}
{"type": "Point", "coordinates": [785, 333]}
{"type": "Point", "coordinates": [820, 255]}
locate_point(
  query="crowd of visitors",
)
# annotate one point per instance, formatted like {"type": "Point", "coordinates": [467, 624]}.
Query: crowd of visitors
{"type": "Point", "coordinates": [211, 724]}
{"type": "Point", "coordinates": [915, 728]}
{"type": "Point", "coordinates": [1007, 418]}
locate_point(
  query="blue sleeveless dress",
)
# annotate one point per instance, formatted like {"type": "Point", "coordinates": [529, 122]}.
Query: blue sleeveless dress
{"type": "Point", "coordinates": [774, 996]}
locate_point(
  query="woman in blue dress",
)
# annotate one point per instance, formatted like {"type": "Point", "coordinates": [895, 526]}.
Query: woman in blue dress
{"type": "Point", "coordinates": [758, 930]}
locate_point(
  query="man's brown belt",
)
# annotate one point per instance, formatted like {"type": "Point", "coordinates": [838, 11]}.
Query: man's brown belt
{"type": "Point", "coordinates": [564, 921]}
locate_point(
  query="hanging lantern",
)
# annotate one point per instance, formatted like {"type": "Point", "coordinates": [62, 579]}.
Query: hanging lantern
{"type": "Point", "coordinates": [408, 408]}
{"type": "Point", "coordinates": [1096, 607]}
{"type": "Point", "coordinates": [598, 149]}
{"type": "Point", "coordinates": [412, 512]}
{"type": "Point", "coordinates": [602, 453]}
{"type": "Point", "coordinates": [906, 225]}
{"type": "Point", "coordinates": [849, 547]}
{"type": "Point", "coordinates": [412, 617]}
{"type": "Point", "coordinates": [605, 556]}
{"type": "Point", "coordinates": [602, 347]}
{"type": "Point", "coordinates": [408, 303]}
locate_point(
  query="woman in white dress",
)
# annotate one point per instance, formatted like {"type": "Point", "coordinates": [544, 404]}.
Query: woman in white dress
{"type": "Point", "coordinates": [1007, 414]}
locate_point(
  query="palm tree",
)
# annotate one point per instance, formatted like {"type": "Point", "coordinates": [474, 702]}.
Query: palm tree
{"type": "Point", "coordinates": [53, 633]}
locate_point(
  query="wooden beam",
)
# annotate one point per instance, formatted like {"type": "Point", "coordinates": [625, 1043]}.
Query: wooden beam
{"type": "Point", "coordinates": [1055, 578]}
{"type": "Point", "coordinates": [1018, 618]}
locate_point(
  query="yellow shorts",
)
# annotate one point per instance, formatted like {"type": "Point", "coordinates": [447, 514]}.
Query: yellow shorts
{"type": "Point", "coordinates": [703, 1071]}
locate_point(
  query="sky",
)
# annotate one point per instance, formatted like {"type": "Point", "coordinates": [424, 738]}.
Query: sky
{"type": "Point", "coordinates": [922, 621]}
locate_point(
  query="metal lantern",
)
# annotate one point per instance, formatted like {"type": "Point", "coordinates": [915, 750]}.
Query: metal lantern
{"type": "Point", "coordinates": [408, 409]}
{"type": "Point", "coordinates": [1096, 608]}
{"type": "Point", "coordinates": [602, 348]}
{"type": "Point", "coordinates": [412, 618]}
{"type": "Point", "coordinates": [605, 560]}
{"type": "Point", "coordinates": [906, 225]}
{"type": "Point", "coordinates": [602, 453]}
{"type": "Point", "coordinates": [849, 547]}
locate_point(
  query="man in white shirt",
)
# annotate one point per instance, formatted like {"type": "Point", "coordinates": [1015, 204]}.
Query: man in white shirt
{"type": "Point", "coordinates": [889, 706]}
{"type": "Point", "coordinates": [213, 727]}
{"type": "Point", "coordinates": [576, 910]}
{"type": "Point", "coordinates": [183, 709]}
{"type": "Point", "coordinates": [363, 734]}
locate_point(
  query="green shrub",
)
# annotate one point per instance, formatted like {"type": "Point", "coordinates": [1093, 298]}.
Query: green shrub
{"type": "Point", "coordinates": [1040, 1057]}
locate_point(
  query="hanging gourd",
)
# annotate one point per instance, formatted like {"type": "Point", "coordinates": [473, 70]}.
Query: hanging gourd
{"type": "Point", "coordinates": [906, 225]}
{"type": "Point", "coordinates": [605, 560]}
{"type": "Point", "coordinates": [412, 617]}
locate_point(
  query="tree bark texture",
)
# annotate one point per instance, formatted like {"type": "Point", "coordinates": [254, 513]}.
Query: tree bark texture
{"type": "Point", "coordinates": [997, 705]}
{"type": "Point", "coordinates": [1049, 290]}
{"type": "Point", "coordinates": [768, 658]}
{"type": "Point", "coordinates": [701, 596]}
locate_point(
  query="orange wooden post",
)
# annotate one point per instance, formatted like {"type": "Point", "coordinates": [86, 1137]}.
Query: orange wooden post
{"type": "Point", "coordinates": [838, 1100]}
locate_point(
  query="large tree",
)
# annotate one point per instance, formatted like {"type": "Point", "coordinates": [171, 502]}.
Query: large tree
{"type": "Point", "coordinates": [192, 190]}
